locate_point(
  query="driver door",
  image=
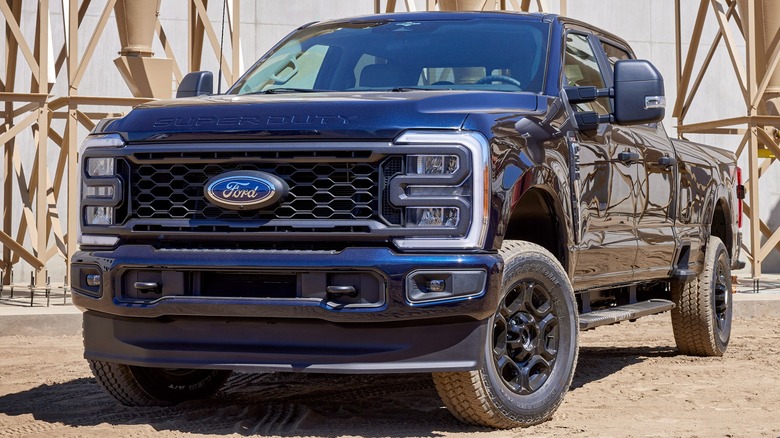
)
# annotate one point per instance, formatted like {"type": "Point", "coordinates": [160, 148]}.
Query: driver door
{"type": "Point", "coordinates": [607, 247]}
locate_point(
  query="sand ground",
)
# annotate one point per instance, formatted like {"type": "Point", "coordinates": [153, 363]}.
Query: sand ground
{"type": "Point", "coordinates": [630, 381]}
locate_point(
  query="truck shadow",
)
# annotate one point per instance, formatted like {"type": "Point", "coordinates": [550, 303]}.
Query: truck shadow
{"type": "Point", "coordinates": [596, 363]}
{"type": "Point", "coordinates": [286, 404]}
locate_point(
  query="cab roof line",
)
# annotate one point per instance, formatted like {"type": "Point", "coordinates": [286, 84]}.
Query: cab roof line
{"type": "Point", "coordinates": [307, 25]}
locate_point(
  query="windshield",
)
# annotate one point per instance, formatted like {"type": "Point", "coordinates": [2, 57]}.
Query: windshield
{"type": "Point", "coordinates": [475, 54]}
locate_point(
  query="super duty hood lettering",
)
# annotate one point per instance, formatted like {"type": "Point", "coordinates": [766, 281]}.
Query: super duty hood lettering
{"type": "Point", "coordinates": [252, 121]}
{"type": "Point", "coordinates": [320, 115]}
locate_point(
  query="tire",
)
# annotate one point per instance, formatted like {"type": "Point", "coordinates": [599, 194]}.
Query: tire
{"type": "Point", "coordinates": [522, 381]}
{"type": "Point", "coordinates": [701, 318]}
{"type": "Point", "coordinates": [142, 386]}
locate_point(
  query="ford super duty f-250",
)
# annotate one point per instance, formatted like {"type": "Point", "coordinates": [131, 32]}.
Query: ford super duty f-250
{"type": "Point", "coordinates": [453, 193]}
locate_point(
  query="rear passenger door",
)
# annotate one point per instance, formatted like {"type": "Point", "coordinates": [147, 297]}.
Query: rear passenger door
{"type": "Point", "coordinates": [656, 189]}
{"type": "Point", "coordinates": [607, 195]}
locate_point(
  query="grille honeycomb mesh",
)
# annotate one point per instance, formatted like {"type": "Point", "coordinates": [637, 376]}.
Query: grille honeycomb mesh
{"type": "Point", "coordinates": [337, 191]}
{"type": "Point", "coordinates": [390, 168]}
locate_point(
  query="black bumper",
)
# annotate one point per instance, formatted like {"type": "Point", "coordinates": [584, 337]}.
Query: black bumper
{"type": "Point", "coordinates": [297, 345]}
{"type": "Point", "coordinates": [267, 334]}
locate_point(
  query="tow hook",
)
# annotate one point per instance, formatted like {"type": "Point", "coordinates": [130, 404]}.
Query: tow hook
{"type": "Point", "coordinates": [341, 291]}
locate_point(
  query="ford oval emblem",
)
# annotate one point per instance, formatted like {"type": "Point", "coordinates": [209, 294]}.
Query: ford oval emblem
{"type": "Point", "coordinates": [245, 190]}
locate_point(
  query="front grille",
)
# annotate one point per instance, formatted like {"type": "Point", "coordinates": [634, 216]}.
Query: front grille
{"type": "Point", "coordinates": [390, 167]}
{"type": "Point", "coordinates": [334, 191]}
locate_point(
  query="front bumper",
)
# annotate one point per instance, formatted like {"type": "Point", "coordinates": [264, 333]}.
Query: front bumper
{"type": "Point", "coordinates": [285, 334]}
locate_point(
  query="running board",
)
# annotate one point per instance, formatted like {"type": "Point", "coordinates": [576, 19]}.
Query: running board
{"type": "Point", "coordinates": [614, 315]}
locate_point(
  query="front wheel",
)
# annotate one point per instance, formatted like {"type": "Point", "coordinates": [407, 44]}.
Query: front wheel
{"type": "Point", "coordinates": [531, 349]}
{"type": "Point", "coordinates": [143, 386]}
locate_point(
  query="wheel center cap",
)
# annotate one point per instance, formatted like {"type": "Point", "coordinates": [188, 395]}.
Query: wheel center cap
{"type": "Point", "coordinates": [525, 336]}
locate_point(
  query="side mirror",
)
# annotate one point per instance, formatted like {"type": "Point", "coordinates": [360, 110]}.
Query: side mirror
{"type": "Point", "coordinates": [638, 92]}
{"type": "Point", "coordinates": [587, 120]}
{"type": "Point", "coordinates": [195, 84]}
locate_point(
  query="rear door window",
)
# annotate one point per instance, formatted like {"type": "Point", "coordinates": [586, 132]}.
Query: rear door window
{"type": "Point", "coordinates": [614, 53]}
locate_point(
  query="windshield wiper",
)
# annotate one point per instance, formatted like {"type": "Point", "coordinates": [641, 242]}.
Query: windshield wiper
{"type": "Point", "coordinates": [287, 90]}
{"type": "Point", "coordinates": [405, 89]}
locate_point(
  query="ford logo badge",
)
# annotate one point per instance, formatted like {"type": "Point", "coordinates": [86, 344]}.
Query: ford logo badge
{"type": "Point", "coordinates": [245, 190]}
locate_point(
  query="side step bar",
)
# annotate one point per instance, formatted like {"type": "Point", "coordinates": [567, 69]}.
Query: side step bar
{"type": "Point", "coordinates": [614, 315]}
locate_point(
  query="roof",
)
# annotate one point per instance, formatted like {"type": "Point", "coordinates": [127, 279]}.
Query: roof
{"type": "Point", "coordinates": [443, 15]}
{"type": "Point", "coordinates": [469, 15]}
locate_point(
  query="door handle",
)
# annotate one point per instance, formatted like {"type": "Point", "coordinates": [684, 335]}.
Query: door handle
{"type": "Point", "coordinates": [667, 161]}
{"type": "Point", "coordinates": [628, 157]}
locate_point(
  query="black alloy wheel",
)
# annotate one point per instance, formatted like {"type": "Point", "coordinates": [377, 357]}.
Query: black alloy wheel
{"type": "Point", "coordinates": [722, 301]}
{"type": "Point", "coordinates": [525, 337]}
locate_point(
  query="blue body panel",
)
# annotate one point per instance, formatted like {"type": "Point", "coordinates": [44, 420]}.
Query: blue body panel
{"type": "Point", "coordinates": [293, 335]}
{"type": "Point", "coordinates": [313, 116]}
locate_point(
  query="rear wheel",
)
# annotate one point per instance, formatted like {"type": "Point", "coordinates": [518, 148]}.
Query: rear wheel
{"type": "Point", "coordinates": [701, 318]}
{"type": "Point", "coordinates": [143, 386]}
{"type": "Point", "coordinates": [531, 349]}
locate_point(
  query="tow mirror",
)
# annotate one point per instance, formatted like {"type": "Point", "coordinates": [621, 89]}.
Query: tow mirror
{"type": "Point", "coordinates": [638, 92]}
{"type": "Point", "coordinates": [196, 83]}
{"type": "Point", "coordinates": [581, 94]}
{"type": "Point", "coordinates": [587, 120]}
{"type": "Point", "coordinates": [638, 96]}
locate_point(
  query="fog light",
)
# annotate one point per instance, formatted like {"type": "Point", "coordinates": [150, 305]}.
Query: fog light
{"type": "Point", "coordinates": [435, 285]}
{"type": "Point", "coordinates": [429, 287]}
{"type": "Point", "coordinates": [93, 280]}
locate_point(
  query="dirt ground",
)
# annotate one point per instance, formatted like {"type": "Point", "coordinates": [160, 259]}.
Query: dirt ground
{"type": "Point", "coordinates": [630, 381]}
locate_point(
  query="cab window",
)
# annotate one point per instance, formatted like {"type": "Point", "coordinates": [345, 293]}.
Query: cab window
{"type": "Point", "coordinates": [492, 54]}
{"type": "Point", "coordinates": [614, 53]}
{"type": "Point", "coordinates": [581, 68]}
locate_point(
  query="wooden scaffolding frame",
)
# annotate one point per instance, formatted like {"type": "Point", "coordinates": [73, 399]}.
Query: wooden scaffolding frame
{"type": "Point", "coordinates": [755, 127]}
{"type": "Point", "coordinates": [40, 235]}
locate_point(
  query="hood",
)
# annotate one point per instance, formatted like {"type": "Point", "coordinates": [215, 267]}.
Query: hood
{"type": "Point", "coordinates": [335, 115]}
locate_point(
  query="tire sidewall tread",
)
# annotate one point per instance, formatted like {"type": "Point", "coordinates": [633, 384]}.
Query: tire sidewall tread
{"type": "Point", "coordinates": [693, 317]}
{"type": "Point", "coordinates": [123, 383]}
{"type": "Point", "coordinates": [475, 397]}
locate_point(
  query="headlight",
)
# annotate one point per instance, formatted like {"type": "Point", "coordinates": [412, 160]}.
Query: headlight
{"type": "Point", "coordinates": [433, 164]}
{"type": "Point", "coordinates": [100, 166]}
{"type": "Point", "coordinates": [443, 191]}
{"type": "Point", "coordinates": [101, 186]}
{"type": "Point", "coordinates": [432, 217]}
{"type": "Point", "coordinates": [99, 215]}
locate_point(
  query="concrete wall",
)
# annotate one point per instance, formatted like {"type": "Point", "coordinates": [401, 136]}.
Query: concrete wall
{"type": "Point", "coordinates": [648, 25]}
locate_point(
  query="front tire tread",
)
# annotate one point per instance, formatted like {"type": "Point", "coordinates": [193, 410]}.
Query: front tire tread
{"type": "Point", "coordinates": [467, 394]}
{"type": "Point", "coordinates": [118, 381]}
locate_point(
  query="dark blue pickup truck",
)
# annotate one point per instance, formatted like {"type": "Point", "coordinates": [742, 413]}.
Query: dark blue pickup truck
{"type": "Point", "coordinates": [453, 193]}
